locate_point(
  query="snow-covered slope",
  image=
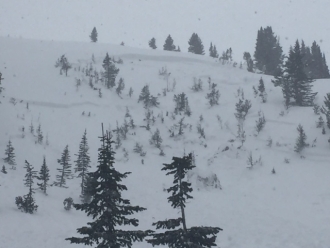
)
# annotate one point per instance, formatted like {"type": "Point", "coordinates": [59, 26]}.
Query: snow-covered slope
{"type": "Point", "coordinates": [255, 207]}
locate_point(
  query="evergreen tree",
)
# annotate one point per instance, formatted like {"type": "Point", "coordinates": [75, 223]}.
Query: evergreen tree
{"type": "Point", "coordinates": [107, 207]}
{"type": "Point", "coordinates": [169, 46]}
{"type": "Point", "coordinates": [268, 54]}
{"type": "Point", "coordinates": [326, 109]}
{"type": "Point", "coordinates": [147, 99]}
{"type": "Point", "coordinates": [249, 61]}
{"type": "Point", "coordinates": [262, 90]}
{"type": "Point", "coordinates": [110, 72]}
{"type": "Point", "coordinates": [64, 65]}
{"type": "Point", "coordinates": [227, 56]}
{"type": "Point", "coordinates": [213, 51]}
{"type": "Point", "coordinates": [301, 140]}
{"type": "Point", "coordinates": [213, 96]}
{"type": "Point", "coordinates": [294, 74]}
{"type": "Point", "coordinates": [83, 162]}
{"type": "Point", "coordinates": [195, 45]}
{"type": "Point", "coordinates": [10, 156]}
{"type": "Point", "coordinates": [181, 104]}
{"type": "Point", "coordinates": [120, 87]}
{"type": "Point", "coordinates": [178, 234]}
{"type": "Point", "coordinates": [43, 177]}
{"type": "Point", "coordinates": [93, 35]}
{"type": "Point", "coordinates": [27, 203]}
{"type": "Point", "coordinates": [3, 170]}
{"type": "Point", "coordinates": [152, 43]}
{"type": "Point", "coordinates": [1, 78]}
{"type": "Point", "coordinates": [40, 137]}
{"type": "Point", "coordinates": [156, 139]}
{"type": "Point", "coordinates": [65, 170]}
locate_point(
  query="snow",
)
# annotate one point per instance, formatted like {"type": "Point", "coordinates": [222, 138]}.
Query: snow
{"type": "Point", "coordinates": [255, 208]}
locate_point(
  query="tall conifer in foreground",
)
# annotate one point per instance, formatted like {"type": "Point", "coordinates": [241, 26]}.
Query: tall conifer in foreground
{"type": "Point", "coordinates": [43, 176]}
{"type": "Point", "coordinates": [181, 236]}
{"type": "Point", "coordinates": [107, 208]}
{"type": "Point", "coordinates": [65, 170]}
{"type": "Point", "coordinates": [26, 203]}
{"type": "Point", "coordinates": [83, 162]}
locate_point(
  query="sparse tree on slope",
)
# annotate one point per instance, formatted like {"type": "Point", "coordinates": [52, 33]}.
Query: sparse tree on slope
{"type": "Point", "coordinates": [195, 45]}
{"type": "Point", "coordinates": [93, 35]}
{"type": "Point", "coordinates": [10, 155]}
{"type": "Point", "coordinates": [301, 140]}
{"type": "Point", "coordinates": [65, 170]}
{"type": "Point", "coordinates": [169, 46]}
{"type": "Point", "coordinates": [43, 176]}
{"type": "Point", "coordinates": [107, 207]}
{"type": "Point", "coordinates": [213, 96]}
{"type": "Point", "coordinates": [1, 78]}
{"type": "Point", "coordinates": [110, 72]}
{"type": "Point", "coordinates": [213, 51]}
{"type": "Point", "coordinates": [64, 64]}
{"type": "Point", "coordinates": [178, 234]}
{"type": "Point", "coordinates": [152, 43]}
{"type": "Point", "coordinates": [249, 61]}
{"type": "Point", "coordinates": [83, 162]}
{"type": "Point", "coordinates": [27, 203]}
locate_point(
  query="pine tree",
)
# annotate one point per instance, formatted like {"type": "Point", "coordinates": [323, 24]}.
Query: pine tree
{"type": "Point", "coordinates": [181, 104]}
{"type": "Point", "coordinates": [301, 140]}
{"type": "Point", "coordinates": [43, 177]}
{"type": "Point", "coordinates": [249, 61]}
{"type": "Point", "coordinates": [93, 35]}
{"type": "Point", "coordinates": [268, 54]}
{"type": "Point", "coordinates": [64, 65]}
{"type": "Point", "coordinates": [147, 99]}
{"type": "Point", "coordinates": [178, 234]}
{"type": "Point", "coordinates": [130, 92]}
{"type": "Point", "coordinates": [152, 43]}
{"type": "Point", "coordinates": [213, 96]}
{"type": "Point", "coordinates": [262, 90]}
{"type": "Point", "coordinates": [195, 45]}
{"type": "Point", "coordinates": [156, 139]}
{"type": "Point", "coordinates": [169, 46]}
{"type": "Point", "coordinates": [120, 87]}
{"type": "Point", "coordinates": [40, 137]}
{"type": "Point", "coordinates": [295, 78]}
{"type": "Point", "coordinates": [65, 170]}
{"type": "Point", "coordinates": [27, 203]}
{"type": "Point", "coordinates": [10, 156]}
{"type": "Point", "coordinates": [3, 170]}
{"type": "Point", "coordinates": [110, 72]}
{"type": "Point", "coordinates": [326, 109]}
{"type": "Point", "coordinates": [213, 51]}
{"type": "Point", "coordinates": [83, 162]}
{"type": "Point", "coordinates": [107, 207]}
{"type": "Point", "coordinates": [1, 78]}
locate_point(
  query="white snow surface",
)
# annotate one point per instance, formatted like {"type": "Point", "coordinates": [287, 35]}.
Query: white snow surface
{"type": "Point", "coordinates": [255, 208]}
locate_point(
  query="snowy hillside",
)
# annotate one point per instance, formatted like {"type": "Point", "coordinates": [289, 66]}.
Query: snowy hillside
{"type": "Point", "coordinates": [255, 208]}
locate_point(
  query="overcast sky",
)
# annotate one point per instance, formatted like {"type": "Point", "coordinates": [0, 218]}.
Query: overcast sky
{"type": "Point", "coordinates": [226, 23]}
